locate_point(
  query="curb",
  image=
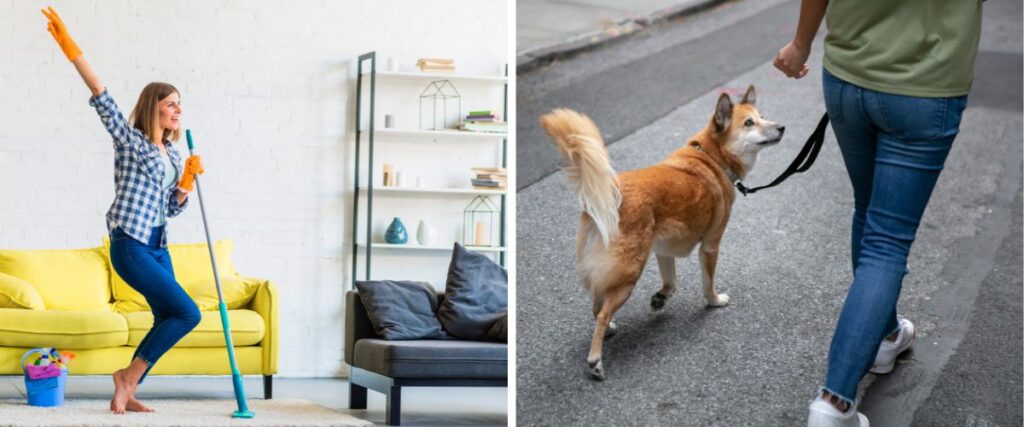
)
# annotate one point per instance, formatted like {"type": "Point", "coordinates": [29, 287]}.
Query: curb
{"type": "Point", "coordinates": [531, 59]}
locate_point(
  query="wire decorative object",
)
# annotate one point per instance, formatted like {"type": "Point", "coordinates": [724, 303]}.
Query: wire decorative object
{"type": "Point", "coordinates": [480, 219]}
{"type": "Point", "coordinates": [441, 92]}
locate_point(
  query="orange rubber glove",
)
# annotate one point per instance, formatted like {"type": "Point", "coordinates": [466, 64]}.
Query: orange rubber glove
{"type": "Point", "coordinates": [193, 166]}
{"type": "Point", "coordinates": [60, 34]}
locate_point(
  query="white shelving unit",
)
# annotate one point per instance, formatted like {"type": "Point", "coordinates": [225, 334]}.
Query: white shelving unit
{"type": "Point", "coordinates": [415, 247]}
{"type": "Point", "coordinates": [437, 191]}
{"type": "Point", "coordinates": [363, 244]}
{"type": "Point", "coordinates": [437, 76]}
{"type": "Point", "coordinates": [447, 134]}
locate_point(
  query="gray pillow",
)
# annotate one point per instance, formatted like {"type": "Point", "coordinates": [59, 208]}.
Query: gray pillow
{"type": "Point", "coordinates": [401, 310]}
{"type": "Point", "coordinates": [476, 295]}
{"type": "Point", "coordinates": [499, 330]}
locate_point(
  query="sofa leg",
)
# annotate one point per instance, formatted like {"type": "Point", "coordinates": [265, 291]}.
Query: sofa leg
{"type": "Point", "coordinates": [356, 396]}
{"type": "Point", "coordinates": [394, 407]}
{"type": "Point", "coordinates": [268, 387]}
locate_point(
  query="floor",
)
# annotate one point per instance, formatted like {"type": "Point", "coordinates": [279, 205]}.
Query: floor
{"type": "Point", "coordinates": [449, 406]}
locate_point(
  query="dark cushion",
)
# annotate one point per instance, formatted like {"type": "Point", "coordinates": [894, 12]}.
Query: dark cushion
{"type": "Point", "coordinates": [476, 295]}
{"type": "Point", "coordinates": [401, 310]}
{"type": "Point", "coordinates": [432, 359]}
{"type": "Point", "coordinates": [499, 330]}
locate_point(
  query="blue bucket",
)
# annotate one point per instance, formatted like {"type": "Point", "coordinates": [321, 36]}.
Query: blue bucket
{"type": "Point", "coordinates": [44, 391]}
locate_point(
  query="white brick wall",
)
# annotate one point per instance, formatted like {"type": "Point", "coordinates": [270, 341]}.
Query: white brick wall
{"type": "Point", "coordinates": [268, 91]}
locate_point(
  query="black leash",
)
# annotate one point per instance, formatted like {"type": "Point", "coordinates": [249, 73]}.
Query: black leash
{"type": "Point", "coordinates": [803, 161]}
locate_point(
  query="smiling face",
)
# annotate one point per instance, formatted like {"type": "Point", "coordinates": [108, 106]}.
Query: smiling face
{"type": "Point", "coordinates": [170, 111]}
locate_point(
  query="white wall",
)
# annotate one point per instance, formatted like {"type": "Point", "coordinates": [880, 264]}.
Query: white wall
{"type": "Point", "coordinates": [268, 90]}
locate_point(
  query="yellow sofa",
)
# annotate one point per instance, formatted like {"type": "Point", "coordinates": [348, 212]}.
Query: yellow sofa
{"type": "Point", "coordinates": [73, 300]}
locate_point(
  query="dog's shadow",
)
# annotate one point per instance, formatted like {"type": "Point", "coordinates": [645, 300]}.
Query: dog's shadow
{"type": "Point", "coordinates": [640, 334]}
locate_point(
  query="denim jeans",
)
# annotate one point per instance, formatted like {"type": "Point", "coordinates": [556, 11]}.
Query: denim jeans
{"type": "Point", "coordinates": [146, 267]}
{"type": "Point", "coordinates": [894, 148]}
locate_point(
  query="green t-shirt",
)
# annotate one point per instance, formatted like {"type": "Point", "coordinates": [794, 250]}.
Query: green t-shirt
{"type": "Point", "coordinates": [923, 48]}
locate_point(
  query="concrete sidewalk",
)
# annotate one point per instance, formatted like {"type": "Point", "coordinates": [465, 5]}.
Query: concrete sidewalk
{"type": "Point", "coordinates": [545, 28]}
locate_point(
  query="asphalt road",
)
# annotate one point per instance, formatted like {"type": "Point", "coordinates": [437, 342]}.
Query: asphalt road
{"type": "Point", "coordinates": [785, 257]}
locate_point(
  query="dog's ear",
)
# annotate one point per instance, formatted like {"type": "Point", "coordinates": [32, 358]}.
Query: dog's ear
{"type": "Point", "coordinates": [723, 113]}
{"type": "Point", "coordinates": [750, 97]}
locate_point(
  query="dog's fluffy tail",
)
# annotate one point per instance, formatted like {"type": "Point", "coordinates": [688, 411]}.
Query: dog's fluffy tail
{"type": "Point", "coordinates": [580, 142]}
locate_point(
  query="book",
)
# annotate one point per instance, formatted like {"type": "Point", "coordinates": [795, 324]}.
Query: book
{"type": "Point", "coordinates": [435, 61]}
{"type": "Point", "coordinates": [492, 176]}
{"type": "Point", "coordinates": [444, 68]}
{"type": "Point", "coordinates": [493, 127]}
{"type": "Point", "coordinates": [489, 170]}
{"type": "Point", "coordinates": [482, 113]}
{"type": "Point", "coordinates": [480, 116]}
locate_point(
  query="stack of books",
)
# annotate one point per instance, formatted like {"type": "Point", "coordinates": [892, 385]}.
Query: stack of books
{"type": "Point", "coordinates": [490, 178]}
{"type": "Point", "coordinates": [436, 65]}
{"type": "Point", "coordinates": [484, 121]}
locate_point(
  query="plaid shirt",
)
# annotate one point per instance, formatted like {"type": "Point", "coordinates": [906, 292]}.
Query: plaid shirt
{"type": "Point", "coordinates": [138, 173]}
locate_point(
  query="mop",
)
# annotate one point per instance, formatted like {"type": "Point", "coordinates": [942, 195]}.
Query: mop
{"type": "Point", "coordinates": [243, 409]}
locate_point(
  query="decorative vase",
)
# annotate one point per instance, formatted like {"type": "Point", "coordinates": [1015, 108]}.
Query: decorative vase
{"type": "Point", "coordinates": [424, 234]}
{"type": "Point", "coordinates": [396, 233]}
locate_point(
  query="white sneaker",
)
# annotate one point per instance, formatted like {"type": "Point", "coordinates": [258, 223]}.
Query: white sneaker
{"type": "Point", "coordinates": [888, 350]}
{"type": "Point", "coordinates": [823, 414]}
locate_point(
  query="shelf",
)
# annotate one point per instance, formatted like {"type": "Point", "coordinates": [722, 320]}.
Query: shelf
{"type": "Point", "coordinates": [437, 133]}
{"type": "Point", "coordinates": [416, 247]}
{"type": "Point", "coordinates": [437, 76]}
{"type": "Point", "coordinates": [452, 191]}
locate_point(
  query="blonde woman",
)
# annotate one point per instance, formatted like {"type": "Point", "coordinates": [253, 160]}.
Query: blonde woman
{"type": "Point", "coordinates": [150, 186]}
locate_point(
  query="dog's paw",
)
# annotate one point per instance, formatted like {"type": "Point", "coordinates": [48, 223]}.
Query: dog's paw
{"type": "Point", "coordinates": [611, 329]}
{"type": "Point", "coordinates": [721, 300]}
{"type": "Point", "coordinates": [658, 301]}
{"type": "Point", "coordinates": [597, 370]}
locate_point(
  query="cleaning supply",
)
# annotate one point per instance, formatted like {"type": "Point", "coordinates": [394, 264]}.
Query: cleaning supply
{"type": "Point", "coordinates": [60, 34]}
{"type": "Point", "coordinates": [243, 408]}
{"type": "Point", "coordinates": [45, 378]}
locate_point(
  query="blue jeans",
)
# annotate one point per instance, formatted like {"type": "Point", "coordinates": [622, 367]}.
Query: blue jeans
{"type": "Point", "coordinates": [894, 148]}
{"type": "Point", "coordinates": [146, 267]}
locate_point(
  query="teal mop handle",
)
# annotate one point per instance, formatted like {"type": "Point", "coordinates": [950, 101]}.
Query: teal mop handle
{"type": "Point", "coordinates": [243, 407]}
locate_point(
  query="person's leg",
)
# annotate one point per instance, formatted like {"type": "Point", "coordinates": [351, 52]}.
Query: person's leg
{"type": "Point", "coordinates": [163, 258]}
{"type": "Point", "coordinates": [915, 137]}
{"type": "Point", "coordinates": [855, 135]}
{"type": "Point", "coordinates": [139, 265]}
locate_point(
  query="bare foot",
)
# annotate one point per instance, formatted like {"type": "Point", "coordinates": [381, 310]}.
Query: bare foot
{"type": "Point", "coordinates": [134, 405]}
{"type": "Point", "coordinates": [122, 391]}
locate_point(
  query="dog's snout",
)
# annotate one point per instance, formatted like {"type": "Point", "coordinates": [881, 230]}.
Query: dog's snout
{"type": "Point", "coordinates": [782, 129]}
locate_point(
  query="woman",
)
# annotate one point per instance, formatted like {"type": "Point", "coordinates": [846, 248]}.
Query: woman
{"type": "Point", "coordinates": [896, 77]}
{"type": "Point", "coordinates": [146, 168]}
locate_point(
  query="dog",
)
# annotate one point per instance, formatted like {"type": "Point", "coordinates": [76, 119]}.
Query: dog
{"type": "Point", "coordinates": [668, 208]}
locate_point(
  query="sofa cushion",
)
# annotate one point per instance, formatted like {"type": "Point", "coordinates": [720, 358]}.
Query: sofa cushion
{"type": "Point", "coordinates": [191, 264]}
{"type": "Point", "coordinates": [65, 330]}
{"type": "Point", "coordinates": [17, 293]}
{"type": "Point", "coordinates": [247, 328]}
{"type": "Point", "coordinates": [432, 358]}
{"type": "Point", "coordinates": [67, 279]}
{"type": "Point", "coordinates": [476, 295]}
{"type": "Point", "coordinates": [238, 292]}
{"type": "Point", "coordinates": [401, 310]}
{"type": "Point", "coordinates": [499, 331]}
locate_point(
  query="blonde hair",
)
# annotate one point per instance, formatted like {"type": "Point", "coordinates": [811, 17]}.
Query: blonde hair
{"type": "Point", "coordinates": [146, 115]}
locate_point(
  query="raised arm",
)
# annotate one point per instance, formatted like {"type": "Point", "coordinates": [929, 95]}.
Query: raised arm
{"type": "Point", "coordinates": [59, 32]}
{"type": "Point", "coordinates": [792, 58]}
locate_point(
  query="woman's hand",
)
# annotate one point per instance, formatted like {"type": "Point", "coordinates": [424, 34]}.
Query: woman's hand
{"type": "Point", "coordinates": [60, 34]}
{"type": "Point", "coordinates": [792, 60]}
{"type": "Point", "coordinates": [193, 166]}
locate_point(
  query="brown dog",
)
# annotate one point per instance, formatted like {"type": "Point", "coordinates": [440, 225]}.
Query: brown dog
{"type": "Point", "coordinates": [667, 208]}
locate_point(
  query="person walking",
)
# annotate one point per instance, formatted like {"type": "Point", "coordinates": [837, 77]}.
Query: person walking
{"type": "Point", "coordinates": [150, 186]}
{"type": "Point", "coordinates": [895, 78]}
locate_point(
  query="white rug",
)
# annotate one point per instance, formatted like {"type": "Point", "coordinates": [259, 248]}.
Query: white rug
{"type": "Point", "coordinates": [190, 412]}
